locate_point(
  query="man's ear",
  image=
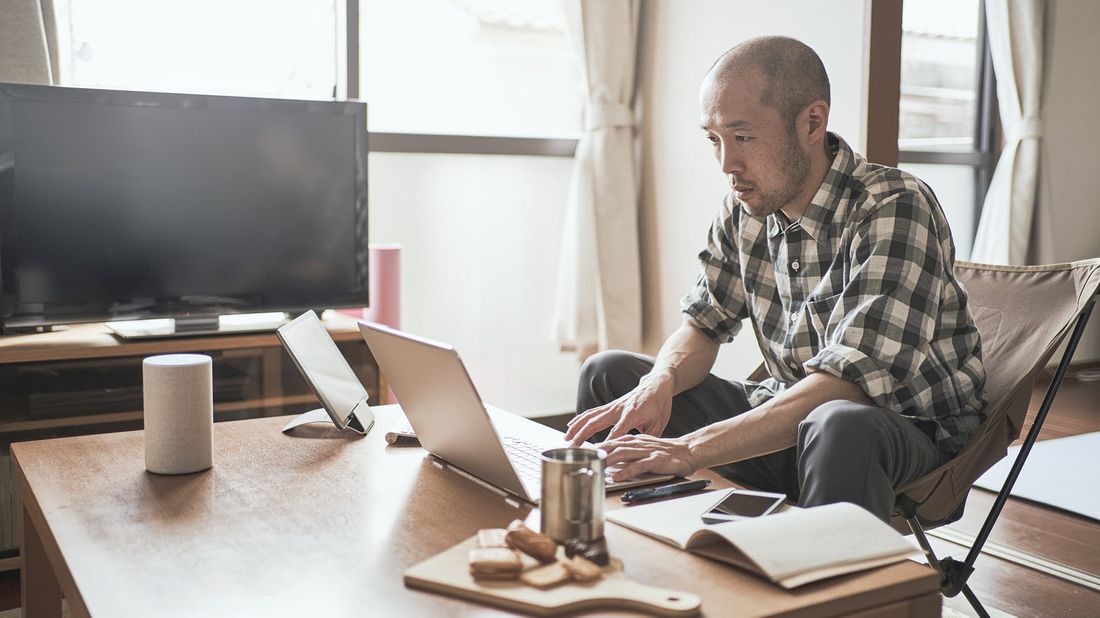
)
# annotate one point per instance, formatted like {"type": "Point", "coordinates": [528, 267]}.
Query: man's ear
{"type": "Point", "coordinates": [817, 121]}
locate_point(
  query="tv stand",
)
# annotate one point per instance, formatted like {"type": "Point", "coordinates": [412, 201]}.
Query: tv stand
{"type": "Point", "coordinates": [233, 324]}
{"type": "Point", "coordinates": [85, 380]}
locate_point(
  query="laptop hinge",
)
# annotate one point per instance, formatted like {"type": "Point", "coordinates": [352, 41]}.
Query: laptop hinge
{"type": "Point", "coordinates": [509, 497]}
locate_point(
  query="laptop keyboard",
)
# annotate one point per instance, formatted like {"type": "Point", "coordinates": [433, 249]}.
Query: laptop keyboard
{"type": "Point", "coordinates": [525, 457]}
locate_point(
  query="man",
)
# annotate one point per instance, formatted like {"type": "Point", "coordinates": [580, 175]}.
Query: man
{"type": "Point", "coordinates": [844, 270]}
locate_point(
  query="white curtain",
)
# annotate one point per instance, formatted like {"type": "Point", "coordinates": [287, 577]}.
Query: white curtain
{"type": "Point", "coordinates": [1016, 43]}
{"type": "Point", "coordinates": [599, 302]}
{"type": "Point", "coordinates": [28, 42]}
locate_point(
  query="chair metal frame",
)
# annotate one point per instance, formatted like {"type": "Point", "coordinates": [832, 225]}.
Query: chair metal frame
{"type": "Point", "coordinates": [955, 573]}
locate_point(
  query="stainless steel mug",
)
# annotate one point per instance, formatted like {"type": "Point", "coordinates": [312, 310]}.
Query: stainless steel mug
{"type": "Point", "coordinates": [572, 494]}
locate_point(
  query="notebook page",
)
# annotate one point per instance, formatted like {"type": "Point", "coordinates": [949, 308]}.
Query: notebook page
{"type": "Point", "coordinates": [807, 540]}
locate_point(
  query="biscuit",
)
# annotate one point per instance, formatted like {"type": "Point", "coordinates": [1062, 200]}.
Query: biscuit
{"type": "Point", "coordinates": [494, 563]}
{"type": "Point", "coordinates": [582, 569]}
{"type": "Point", "coordinates": [546, 576]}
{"type": "Point", "coordinates": [538, 546]}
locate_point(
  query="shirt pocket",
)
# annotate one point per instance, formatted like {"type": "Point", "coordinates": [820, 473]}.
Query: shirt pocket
{"type": "Point", "coordinates": [818, 310]}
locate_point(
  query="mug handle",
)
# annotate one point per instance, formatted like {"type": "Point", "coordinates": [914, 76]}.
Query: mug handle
{"type": "Point", "coordinates": [576, 508]}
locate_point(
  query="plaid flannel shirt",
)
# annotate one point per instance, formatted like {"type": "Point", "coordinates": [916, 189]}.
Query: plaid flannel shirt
{"type": "Point", "coordinates": [860, 287]}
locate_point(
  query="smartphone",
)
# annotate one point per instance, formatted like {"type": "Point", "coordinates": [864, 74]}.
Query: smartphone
{"type": "Point", "coordinates": [742, 504]}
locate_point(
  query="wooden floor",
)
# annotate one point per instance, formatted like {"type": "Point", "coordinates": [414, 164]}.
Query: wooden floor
{"type": "Point", "coordinates": [1002, 586]}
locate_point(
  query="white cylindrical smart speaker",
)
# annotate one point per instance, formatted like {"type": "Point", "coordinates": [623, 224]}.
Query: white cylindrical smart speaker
{"type": "Point", "coordinates": [179, 413]}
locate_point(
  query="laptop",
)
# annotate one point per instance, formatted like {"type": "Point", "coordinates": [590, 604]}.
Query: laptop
{"type": "Point", "coordinates": [494, 447]}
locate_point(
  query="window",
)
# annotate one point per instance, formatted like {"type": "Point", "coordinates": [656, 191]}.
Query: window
{"type": "Point", "coordinates": [947, 118]}
{"type": "Point", "coordinates": [469, 67]}
{"type": "Point", "coordinates": [429, 69]}
{"type": "Point", "coordinates": [274, 48]}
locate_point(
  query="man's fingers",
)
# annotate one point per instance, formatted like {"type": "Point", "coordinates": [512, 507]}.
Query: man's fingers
{"type": "Point", "coordinates": [579, 421]}
{"type": "Point", "coordinates": [637, 468]}
{"type": "Point", "coordinates": [625, 454]}
{"type": "Point", "coordinates": [593, 425]}
{"type": "Point", "coordinates": [572, 427]}
{"type": "Point", "coordinates": [620, 441]}
{"type": "Point", "coordinates": [622, 428]}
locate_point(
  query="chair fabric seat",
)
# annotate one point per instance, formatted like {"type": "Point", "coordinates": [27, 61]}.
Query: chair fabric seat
{"type": "Point", "coordinates": [1023, 314]}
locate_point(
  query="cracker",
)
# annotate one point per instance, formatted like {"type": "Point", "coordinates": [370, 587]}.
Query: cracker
{"type": "Point", "coordinates": [546, 576]}
{"type": "Point", "coordinates": [494, 563]}
{"type": "Point", "coordinates": [494, 575]}
{"type": "Point", "coordinates": [582, 569]}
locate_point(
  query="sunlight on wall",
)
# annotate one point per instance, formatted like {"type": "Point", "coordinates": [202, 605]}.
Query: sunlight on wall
{"type": "Point", "coordinates": [480, 248]}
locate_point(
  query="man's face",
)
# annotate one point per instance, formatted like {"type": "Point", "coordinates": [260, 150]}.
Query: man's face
{"type": "Point", "coordinates": [758, 151]}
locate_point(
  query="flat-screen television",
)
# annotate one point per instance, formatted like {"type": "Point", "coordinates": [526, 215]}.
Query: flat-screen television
{"type": "Point", "coordinates": [118, 205]}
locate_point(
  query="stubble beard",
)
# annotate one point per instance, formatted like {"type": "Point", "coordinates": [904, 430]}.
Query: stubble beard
{"type": "Point", "coordinates": [795, 167]}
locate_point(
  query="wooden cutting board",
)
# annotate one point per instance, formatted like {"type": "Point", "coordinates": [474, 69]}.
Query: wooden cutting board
{"type": "Point", "coordinates": [448, 573]}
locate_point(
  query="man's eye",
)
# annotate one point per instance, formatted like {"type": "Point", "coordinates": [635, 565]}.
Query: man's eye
{"type": "Point", "coordinates": [742, 138]}
{"type": "Point", "coordinates": [712, 139]}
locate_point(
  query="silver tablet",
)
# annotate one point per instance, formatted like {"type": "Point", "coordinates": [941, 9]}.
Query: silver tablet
{"type": "Point", "coordinates": [328, 374]}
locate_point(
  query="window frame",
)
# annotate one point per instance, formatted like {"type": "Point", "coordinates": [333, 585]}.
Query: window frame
{"type": "Point", "coordinates": [987, 136]}
{"type": "Point", "coordinates": [347, 25]}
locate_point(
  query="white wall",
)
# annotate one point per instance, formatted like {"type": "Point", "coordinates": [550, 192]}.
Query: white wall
{"type": "Point", "coordinates": [480, 248]}
{"type": "Point", "coordinates": [1070, 209]}
{"type": "Point", "coordinates": [682, 186]}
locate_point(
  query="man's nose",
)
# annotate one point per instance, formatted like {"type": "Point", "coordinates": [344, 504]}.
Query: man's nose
{"type": "Point", "coordinates": [731, 162]}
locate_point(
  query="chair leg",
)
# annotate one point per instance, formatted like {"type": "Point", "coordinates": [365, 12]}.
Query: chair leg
{"type": "Point", "coordinates": [925, 546]}
{"type": "Point", "coordinates": [974, 602]}
{"type": "Point", "coordinates": [953, 573]}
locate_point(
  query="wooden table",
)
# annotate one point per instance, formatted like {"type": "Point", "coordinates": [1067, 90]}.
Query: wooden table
{"type": "Point", "coordinates": [323, 526]}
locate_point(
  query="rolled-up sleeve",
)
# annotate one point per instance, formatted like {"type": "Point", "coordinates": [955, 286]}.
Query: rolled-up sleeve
{"type": "Point", "coordinates": [716, 304]}
{"type": "Point", "coordinates": [879, 331]}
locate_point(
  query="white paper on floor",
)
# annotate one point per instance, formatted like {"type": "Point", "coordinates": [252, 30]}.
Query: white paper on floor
{"type": "Point", "coordinates": [1063, 473]}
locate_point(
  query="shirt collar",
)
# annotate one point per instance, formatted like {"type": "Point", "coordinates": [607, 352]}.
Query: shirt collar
{"type": "Point", "coordinates": [819, 212]}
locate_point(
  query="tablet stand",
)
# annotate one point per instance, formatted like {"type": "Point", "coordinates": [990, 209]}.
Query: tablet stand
{"type": "Point", "coordinates": [320, 415]}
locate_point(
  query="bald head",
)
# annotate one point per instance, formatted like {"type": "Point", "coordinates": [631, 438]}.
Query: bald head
{"type": "Point", "coordinates": [794, 74]}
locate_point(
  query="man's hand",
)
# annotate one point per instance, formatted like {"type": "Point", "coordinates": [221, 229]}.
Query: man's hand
{"type": "Point", "coordinates": [643, 453]}
{"type": "Point", "coordinates": [647, 408]}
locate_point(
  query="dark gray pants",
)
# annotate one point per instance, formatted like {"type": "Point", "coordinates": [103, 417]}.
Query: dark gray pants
{"type": "Point", "coordinates": [845, 451]}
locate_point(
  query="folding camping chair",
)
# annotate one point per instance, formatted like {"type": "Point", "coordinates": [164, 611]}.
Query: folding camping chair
{"type": "Point", "coordinates": [1023, 313]}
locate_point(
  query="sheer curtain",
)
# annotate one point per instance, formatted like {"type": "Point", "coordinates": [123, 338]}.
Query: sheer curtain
{"type": "Point", "coordinates": [599, 303]}
{"type": "Point", "coordinates": [1016, 43]}
{"type": "Point", "coordinates": [28, 42]}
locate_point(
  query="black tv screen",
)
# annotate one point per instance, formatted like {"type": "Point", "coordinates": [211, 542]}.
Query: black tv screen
{"type": "Point", "coordinates": [121, 205]}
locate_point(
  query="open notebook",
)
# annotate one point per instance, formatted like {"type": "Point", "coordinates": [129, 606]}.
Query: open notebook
{"type": "Point", "coordinates": [791, 548]}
